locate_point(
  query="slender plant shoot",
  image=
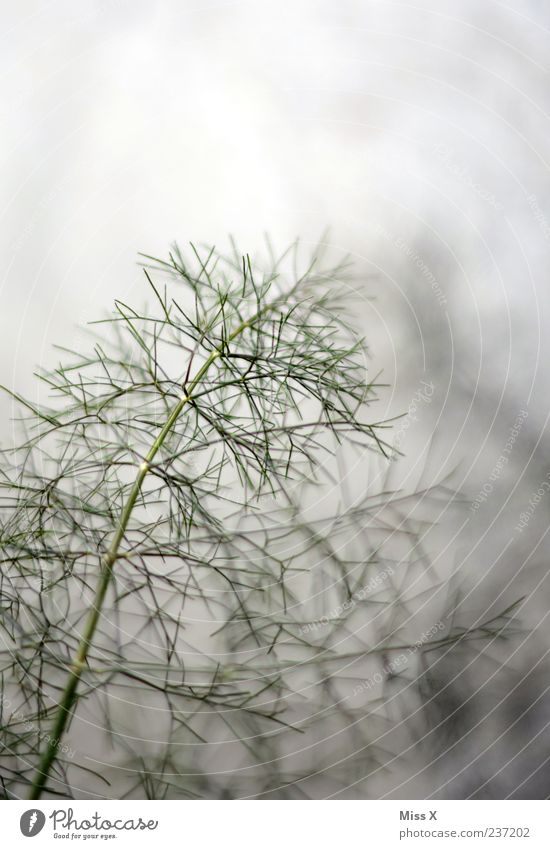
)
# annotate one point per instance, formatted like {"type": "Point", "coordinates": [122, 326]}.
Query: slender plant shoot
{"type": "Point", "coordinates": [172, 535]}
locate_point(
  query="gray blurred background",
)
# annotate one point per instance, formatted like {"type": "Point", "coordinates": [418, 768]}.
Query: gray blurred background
{"type": "Point", "coordinates": [418, 134]}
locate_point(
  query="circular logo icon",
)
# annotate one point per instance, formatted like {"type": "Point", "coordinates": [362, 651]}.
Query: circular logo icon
{"type": "Point", "coordinates": [32, 822]}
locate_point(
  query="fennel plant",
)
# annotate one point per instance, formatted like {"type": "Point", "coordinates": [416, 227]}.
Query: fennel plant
{"type": "Point", "coordinates": [171, 527]}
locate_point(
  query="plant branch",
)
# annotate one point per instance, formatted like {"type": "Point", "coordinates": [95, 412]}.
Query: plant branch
{"type": "Point", "coordinates": [71, 689]}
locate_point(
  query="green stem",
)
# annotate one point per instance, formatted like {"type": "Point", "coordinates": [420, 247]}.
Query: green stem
{"type": "Point", "coordinates": [70, 692]}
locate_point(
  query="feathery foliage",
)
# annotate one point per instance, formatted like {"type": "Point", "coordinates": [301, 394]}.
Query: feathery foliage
{"type": "Point", "coordinates": [169, 533]}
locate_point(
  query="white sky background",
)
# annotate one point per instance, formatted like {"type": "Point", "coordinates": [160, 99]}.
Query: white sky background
{"type": "Point", "coordinates": [126, 125]}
